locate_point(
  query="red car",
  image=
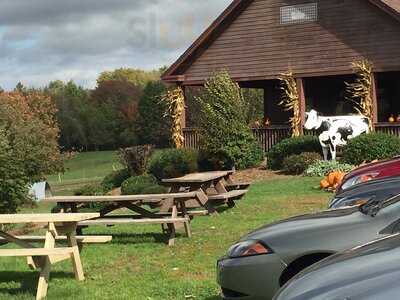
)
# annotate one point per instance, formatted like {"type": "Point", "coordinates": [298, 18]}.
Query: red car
{"type": "Point", "coordinates": [381, 169]}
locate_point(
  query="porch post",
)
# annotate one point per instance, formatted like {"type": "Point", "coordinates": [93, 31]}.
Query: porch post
{"type": "Point", "coordinates": [266, 114]}
{"type": "Point", "coordinates": [302, 99]}
{"type": "Point", "coordinates": [374, 92]}
{"type": "Point", "coordinates": [183, 117]}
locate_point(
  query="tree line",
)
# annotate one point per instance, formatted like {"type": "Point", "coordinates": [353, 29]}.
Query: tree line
{"type": "Point", "coordinates": [124, 109]}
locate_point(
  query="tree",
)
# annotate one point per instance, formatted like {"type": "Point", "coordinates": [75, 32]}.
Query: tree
{"type": "Point", "coordinates": [135, 76]}
{"type": "Point", "coordinates": [13, 180]}
{"type": "Point", "coordinates": [20, 87]}
{"type": "Point", "coordinates": [118, 103]}
{"type": "Point", "coordinates": [28, 144]}
{"type": "Point", "coordinates": [152, 125]}
{"type": "Point", "coordinates": [225, 134]}
{"type": "Point", "coordinates": [73, 115]}
{"type": "Point", "coordinates": [33, 132]}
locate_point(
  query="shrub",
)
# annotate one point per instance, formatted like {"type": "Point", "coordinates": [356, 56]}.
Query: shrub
{"type": "Point", "coordinates": [369, 147]}
{"type": "Point", "coordinates": [115, 179]}
{"type": "Point", "coordinates": [136, 158]}
{"type": "Point", "coordinates": [213, 161]}
{"type": "Point", "coordinates": [171, 163]}
{"type": "Point", "coordinates": [93, 189]}
{"type": "Point", "coordinates": [224, 132]}
{"type": "Point", "coordinates": [90, 190]}
{"type": "Point", "coordinates": [323, 168]}
{"type": "Point", "coordinates": [144, 184]}
{"type": "Point", "coordinates": [290, 146]}
{"type": "Point", "coordinates": [296, 164]}
{"type": "Point", "coordinates": [240, 154]}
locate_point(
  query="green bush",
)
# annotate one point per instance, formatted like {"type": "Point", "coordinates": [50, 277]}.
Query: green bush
{"type": "Point", "coordinates": [94, 189]}
{"type": "Point", "coordinates": [213, 161]}
{"type": "Point", "coordinates": [224, 131]}
{"type": "Point", "coordinates": [90, 190]}
{"type": "Point", "coordinates": [291, 146]}
{"type": "Point", "coordinates": [369, 147]}
{"type": "Point", "coordinates": [240, 154]}
{"type": "Point", "coordinates": [323, 168]}
{"type": "Point", "coordinates": [296, 164]}
{"type": "Point", "coordinates": [115, 179]}
{"type": "Point", "coordinates": [136, 158]}
{"type": "Point", "coordinates": [144, 184]}
{"type": "Point", "coordinates": [170, 163]}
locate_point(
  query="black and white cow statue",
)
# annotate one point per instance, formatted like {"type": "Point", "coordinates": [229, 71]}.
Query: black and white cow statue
{"type": "Point", "coordinates": [336, 131]}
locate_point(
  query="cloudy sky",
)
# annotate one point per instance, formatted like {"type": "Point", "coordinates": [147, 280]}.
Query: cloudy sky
{"type": "Point", "coordinates": [43, 40]}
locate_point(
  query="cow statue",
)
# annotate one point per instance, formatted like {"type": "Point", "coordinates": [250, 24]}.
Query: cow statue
{"type": "Point", "coordinates": [336, 131]}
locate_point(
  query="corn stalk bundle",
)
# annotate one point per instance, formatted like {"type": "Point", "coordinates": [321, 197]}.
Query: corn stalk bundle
{"type": "Point", "coordinates": [360, 92]}
{"type": "Point", "coordinates": [291, 101]}
{"type": "Point", "coordinates": [175, 109]}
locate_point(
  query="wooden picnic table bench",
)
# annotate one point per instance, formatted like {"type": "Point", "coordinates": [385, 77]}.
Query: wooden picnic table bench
{"type": "Point", "coordinates": [175, 214]}
{"type": "Point", "coordinates": [44, 257]}
{"type": "Point", "coordinates": [225, 189]}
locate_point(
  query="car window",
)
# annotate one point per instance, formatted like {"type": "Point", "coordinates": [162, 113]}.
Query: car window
{"type": "Point", "coordinates": [391, 201]}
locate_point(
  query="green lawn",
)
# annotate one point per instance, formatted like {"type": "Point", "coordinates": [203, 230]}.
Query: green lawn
{"type": "Point", "coordinates": [84, 168]}
{"type": "Point", "coordinates": [138, 265]}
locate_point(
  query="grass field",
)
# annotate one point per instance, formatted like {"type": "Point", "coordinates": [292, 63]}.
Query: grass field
{"type": "Point", "coordinates": [138, 265]}
{"type": "Point", "coordinates": [84, 168]}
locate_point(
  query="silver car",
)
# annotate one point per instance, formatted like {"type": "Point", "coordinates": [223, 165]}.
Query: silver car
{"type": "Point", "coordinates": [368, 272]}
{"type": "Point", "coordinates": [264, 260]}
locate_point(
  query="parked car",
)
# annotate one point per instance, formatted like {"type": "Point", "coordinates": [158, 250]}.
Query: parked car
{"type": "Point", "coordinates": [381, 169]}
{"type": "Point", "coordinates": [264, 260]}
{"type": "Point", "coordinates": [380, 189]}
{"type": "Point", "coordinates": [368, 272]}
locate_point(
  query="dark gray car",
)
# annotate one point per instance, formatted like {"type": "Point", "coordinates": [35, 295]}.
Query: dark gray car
{"type": "Point", "coordinates": [381, 189]}
{"type": "Point", "coordinates": [264, 260]}
{"type": "Point", "coordinates": [368, 272]}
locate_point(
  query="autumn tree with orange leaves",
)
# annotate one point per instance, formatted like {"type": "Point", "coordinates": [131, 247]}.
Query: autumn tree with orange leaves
{"type": "Point", "coordinates": [29, 144]}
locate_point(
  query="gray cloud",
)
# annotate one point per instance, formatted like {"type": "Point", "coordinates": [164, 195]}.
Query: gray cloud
{"type": "Point", "coordinates": [43, 40]}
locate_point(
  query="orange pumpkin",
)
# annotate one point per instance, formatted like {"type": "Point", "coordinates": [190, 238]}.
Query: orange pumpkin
{"type": "Point", "coordinates": [340, 177]}
{"type": "Point", "coordinates": [332, 178]}
{"type": "Point", "coordinates": [324, 184]}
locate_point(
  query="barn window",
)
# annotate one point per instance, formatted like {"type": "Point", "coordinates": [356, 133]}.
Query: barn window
{"type": "Point", "coordinates": [295, 14]}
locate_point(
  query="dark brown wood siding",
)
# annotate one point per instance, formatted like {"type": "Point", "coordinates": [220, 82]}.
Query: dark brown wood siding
{"type": "Point", "coordinates": [257, 46]}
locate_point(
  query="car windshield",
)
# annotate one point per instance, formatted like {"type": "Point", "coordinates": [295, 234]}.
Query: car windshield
{"type": "Point", "coordinates": [376, 205]}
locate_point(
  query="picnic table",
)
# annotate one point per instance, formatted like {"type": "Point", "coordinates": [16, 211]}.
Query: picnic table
{"type": "Point", "coordinates": [137, 206]}
{"type": "Point", "coordinates": [225, 190]}
{"type": "Point", "coordinates": [43, 258]}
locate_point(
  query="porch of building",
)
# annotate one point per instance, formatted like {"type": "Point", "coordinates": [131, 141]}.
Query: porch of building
{"type": "Point", "coordinates": [325, 94]}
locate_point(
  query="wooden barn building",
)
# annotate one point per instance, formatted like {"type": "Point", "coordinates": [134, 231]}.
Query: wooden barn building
{"type": "Point", "coordinates": [257, 40]}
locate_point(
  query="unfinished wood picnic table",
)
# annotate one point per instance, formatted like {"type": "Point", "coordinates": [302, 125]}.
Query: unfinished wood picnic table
{"type": "Point", "coordinates": [43, 258]}
{"type": "Point", "coordinates": [225, 189]}
{"type": "Point", "coordinates": [177, 214]}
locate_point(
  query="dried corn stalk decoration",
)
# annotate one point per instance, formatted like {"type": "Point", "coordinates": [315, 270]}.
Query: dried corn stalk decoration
{"type": "Point", "coordinates": [175, 109]}
{"type": "Point", "coordinates": [360, 92]}
{"type": "Point", "coordinates": [291, 101]}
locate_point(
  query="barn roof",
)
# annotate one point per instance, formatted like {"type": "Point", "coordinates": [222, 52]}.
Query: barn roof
{"type": "Point", "coordinates": [172, 74]}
